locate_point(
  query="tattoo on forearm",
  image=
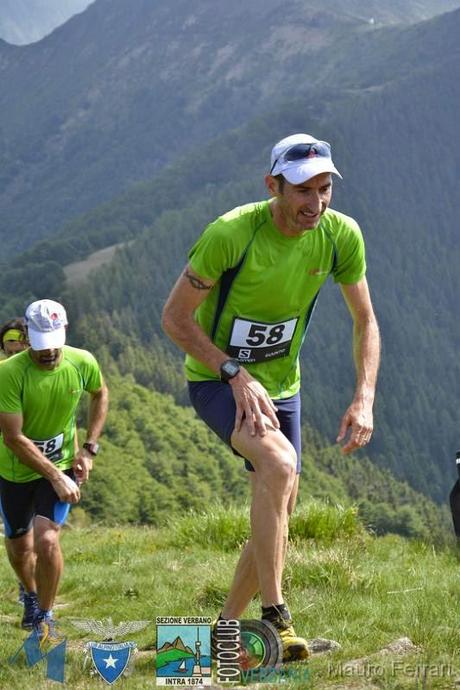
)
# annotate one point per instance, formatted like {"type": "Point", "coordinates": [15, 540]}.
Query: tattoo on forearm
{"type": "Point", "coordinates": [196, 282]}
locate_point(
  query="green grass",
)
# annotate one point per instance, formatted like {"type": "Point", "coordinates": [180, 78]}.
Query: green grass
{"type": "Point", "coordinates": [340, 583]}
{"type": "Point", "coordinates": [227, 527]}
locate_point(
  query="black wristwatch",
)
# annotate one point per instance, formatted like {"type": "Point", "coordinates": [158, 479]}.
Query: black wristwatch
{"type": "Point", "coordinates": [229, 369]}
{"type": "Point", "coordinates": [92, 448]}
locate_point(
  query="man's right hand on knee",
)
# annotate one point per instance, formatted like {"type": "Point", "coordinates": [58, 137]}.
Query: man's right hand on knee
{"type": "Point", "coordinates": [252, 403]}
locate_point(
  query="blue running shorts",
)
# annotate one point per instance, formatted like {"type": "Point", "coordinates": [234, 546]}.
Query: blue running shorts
{"type": "Point", "coordinates": [21, 502]}
{"type": "Point", "coordinates": [213, 401]}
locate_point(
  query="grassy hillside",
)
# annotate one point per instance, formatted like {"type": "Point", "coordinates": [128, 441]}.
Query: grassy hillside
{"type": "Point", "coordinates": [341, 584]}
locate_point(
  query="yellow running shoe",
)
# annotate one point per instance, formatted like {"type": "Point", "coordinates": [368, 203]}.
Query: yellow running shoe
{"type": "Point", "coordinates": [294, 648]}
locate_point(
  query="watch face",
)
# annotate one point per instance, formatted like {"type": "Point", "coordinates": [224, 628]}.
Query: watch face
{"type": "Point", "coordinates": [231, 368]}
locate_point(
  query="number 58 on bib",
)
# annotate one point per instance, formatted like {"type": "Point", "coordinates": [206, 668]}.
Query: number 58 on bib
{"type": "Point", "coordinates": [256, 341]}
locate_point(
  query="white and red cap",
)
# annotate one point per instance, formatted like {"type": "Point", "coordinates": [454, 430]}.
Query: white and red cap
{"type": "Point", "coordinates": [46, 322]}
{"type": "Point", "coordinates": [287, 158]}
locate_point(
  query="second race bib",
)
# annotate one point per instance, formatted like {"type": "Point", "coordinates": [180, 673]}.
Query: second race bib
{"type": "Point", "coordinates": [255, 341]}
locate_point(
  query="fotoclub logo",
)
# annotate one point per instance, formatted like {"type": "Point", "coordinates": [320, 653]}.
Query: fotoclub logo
{"type": "Point", "coordinates": [244, 651]}
{"type": "Point", "coordinates": [261, 648]}
{"type": "Point", "coordinates": [227, 646]}
{"type": "Point", "coordinates": [247, 651]}
{"type": "Point", "coordinates": [262, 655]}
{"type": "Point", "coordinates": [110, 660]}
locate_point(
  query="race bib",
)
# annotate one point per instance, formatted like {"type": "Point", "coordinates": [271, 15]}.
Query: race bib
{"type": "Point", "coordinates": [51, 447]}
{"type": "Point", "coordinates": [255, 341]}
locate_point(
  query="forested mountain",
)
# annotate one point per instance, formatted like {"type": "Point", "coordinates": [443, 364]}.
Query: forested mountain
{"type": "Point", "coordinates": [25, 21]}
{"type": "Point", "coordinates": [125, 88]}
{"type": "Point", "coordinates": [402, 192]}
{"type": "Point", "coordinates": [389, 105]}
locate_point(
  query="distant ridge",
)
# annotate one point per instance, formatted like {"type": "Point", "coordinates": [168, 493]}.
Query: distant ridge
{"type": "Point", "coordinates": [125, 88]}
{"type": "Point", "coordinates": [26, 21]}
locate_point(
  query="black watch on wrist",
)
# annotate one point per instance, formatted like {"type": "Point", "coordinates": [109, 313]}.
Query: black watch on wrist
{"type": "Point", "coordinates": [229, 369]}
{"type": "Point", "coordinates": [92, 448]}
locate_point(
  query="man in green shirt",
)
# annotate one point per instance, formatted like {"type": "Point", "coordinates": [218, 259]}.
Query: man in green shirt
{"type": "Point", "coordinates": [240, 311]}
{"type": "Point", "coordinates": [40, 469]}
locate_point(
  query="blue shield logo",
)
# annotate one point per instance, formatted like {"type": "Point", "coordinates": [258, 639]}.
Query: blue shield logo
{"type": "Point", "coordinates": [110, 660]}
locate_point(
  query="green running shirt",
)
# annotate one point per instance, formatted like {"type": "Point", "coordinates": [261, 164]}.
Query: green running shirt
{"type": "Point", "coordinates": [48, 402]}
{"type": "Point", "coordinates": [265, 315]}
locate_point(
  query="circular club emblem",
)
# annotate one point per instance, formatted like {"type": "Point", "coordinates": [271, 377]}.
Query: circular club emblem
{"type": "Point", "coordinates": [261, 645]}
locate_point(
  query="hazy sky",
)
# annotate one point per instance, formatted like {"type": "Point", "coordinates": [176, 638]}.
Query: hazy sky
{"type": "Point", "coordinates": [26, 21]}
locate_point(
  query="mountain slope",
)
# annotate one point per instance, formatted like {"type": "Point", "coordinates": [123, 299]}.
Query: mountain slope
{"type": "Point", "coordinates": [408, 215]}
{"type": "Point", "coordinates": [392, 53]}
{"type": "Point", "coordinates": [395, 140]}
{"type": "Point", "coordinates": [125, 88]}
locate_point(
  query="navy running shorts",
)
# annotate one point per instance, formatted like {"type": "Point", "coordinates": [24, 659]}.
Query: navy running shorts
{"type": "Point", "coordinates": [20, 502]}
{"type": "Point", "coordinates": [213, 401]}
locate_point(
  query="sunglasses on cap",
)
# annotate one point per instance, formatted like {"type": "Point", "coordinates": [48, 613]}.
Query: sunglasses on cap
{"type": "Point", "coordinates": [300, 151]}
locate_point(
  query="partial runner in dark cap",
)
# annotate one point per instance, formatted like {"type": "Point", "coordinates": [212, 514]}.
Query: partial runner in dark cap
{"type": "Point", "coordinates": [13, 337]}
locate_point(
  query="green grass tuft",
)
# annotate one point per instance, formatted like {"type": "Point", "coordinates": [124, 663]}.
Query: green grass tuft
{"type": "Point", "coordinates": [227, 527]}
{"type": "Point", "coordinates": [324, 522]}
{"type": "Point", "coordinates": [224, 528]}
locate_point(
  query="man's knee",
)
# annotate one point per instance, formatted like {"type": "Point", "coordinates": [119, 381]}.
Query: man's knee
{"type": "Point", "coordinates": [285, 469]}
{"type": "Point", "coordinates": [47, 540]}
{"type": "Point", "coordinates": [19, 547]}
{"type": "Point", "coordinates": [273, 457]}
{"type": "Point", "coordinates": [278, 467]}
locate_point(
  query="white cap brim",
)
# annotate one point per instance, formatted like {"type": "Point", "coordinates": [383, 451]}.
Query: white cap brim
{"type": "Point", "coordinates": [47, 340]}
{"type": "Point", "coordinates": [303, 170]}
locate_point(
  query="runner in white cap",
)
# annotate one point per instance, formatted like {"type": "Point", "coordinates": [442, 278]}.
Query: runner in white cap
{"type": "Point", "coordinates": [40, 472]}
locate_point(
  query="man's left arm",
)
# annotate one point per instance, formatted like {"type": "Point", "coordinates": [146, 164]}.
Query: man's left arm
{"type": "Point", "coordinates": [98, 406]}
{"type": "Point", "coordinates": [366, 352]}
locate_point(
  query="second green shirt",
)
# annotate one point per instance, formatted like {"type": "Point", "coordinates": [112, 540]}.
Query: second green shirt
{"type": "Point", "coordinates": [47, 401]}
